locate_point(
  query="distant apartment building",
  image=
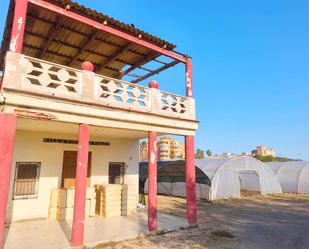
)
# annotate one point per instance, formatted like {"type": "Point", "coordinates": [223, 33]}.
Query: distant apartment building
{"type": "Point", "coordinates": [263, 151]}
{"type": "Point", "coordinates": [224, 155]}
{"type": "Point", "coordinates": [168, 149]}
{"type": "Point", "coordinates": [229, 155]}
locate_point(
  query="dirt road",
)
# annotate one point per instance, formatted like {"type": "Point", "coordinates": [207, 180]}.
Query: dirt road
{"type": "Point", "coordinates": [250, 223]}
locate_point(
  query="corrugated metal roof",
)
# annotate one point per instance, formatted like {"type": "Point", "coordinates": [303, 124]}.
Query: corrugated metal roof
{"type": "Point", "coordinates": [131, 29]}
{"type": "Point", "coordinates": [61, 40]}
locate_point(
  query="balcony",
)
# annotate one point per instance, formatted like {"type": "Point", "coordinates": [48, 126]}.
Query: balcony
{"type": "Point", "coordinates": [32, 76]}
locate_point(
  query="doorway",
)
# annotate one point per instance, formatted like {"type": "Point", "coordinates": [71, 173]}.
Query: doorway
{"type": "Point", "coordinates": [249, 183]}
{"type": "Point", "coordinates": [69, 169]}
{"type": "Point", "coordinates": [116, 172]}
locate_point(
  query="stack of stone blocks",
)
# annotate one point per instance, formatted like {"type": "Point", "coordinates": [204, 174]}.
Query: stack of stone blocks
{"type": "Point", "coordinates": [62, 203]}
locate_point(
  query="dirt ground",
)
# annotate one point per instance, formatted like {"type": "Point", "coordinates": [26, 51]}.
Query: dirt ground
{"type": "Point", "coordinates": [253, 222]}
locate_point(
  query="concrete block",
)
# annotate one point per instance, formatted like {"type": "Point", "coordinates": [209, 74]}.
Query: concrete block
{"type": "Point", "coordinates": [54, 196]}
{"type": "Point", "coordinates": [62, 198]}
{"type": "Point", "coordinates": [70, 197]}
{"type": "Point", "coordinates": [92, 207]}
{"type": "Point", "coordinates": [52, 213]}
{"type": "Point", "coordinates": [65, 213]}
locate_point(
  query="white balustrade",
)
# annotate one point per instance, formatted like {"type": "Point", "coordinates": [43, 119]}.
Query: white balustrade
{"type": "Point", "coordinates": [46, 78]}
{"type": "Point", "coordinates": [174, 104]}
{"type": "Point", "coordinates": [120, 93]}
{"type": "Point", "coordinates": [51, 78]}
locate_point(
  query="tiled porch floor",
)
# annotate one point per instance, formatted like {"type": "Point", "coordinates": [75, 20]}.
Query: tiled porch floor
{"type": "Point", "coordinates": [51, 234]}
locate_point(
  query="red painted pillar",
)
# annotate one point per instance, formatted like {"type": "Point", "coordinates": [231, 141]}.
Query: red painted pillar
{"type": "Point", "coordinates": [152, 181]}
{"type": "Point", "coordinates": [190, 181]}
{"type": "Point", "coordinates": [19, 21]}
{"type": "Point", "coordinates": [189, 78]}
{"type": "Point", "coordinates": [7, 137]}
{"type": "Point", "coordinates": [80, 186]}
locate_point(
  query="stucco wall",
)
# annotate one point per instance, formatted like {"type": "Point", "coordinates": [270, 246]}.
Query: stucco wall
{"type": "Point", "coordinates": [29, 146]}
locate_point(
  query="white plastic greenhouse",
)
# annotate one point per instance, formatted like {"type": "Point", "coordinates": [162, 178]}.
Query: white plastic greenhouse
{"type": "Point", "coordinates": [293, 176]}
{"type": "Point", "coordinates": [228, 177]}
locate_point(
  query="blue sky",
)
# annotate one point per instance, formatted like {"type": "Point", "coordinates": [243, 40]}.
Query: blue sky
{"type": "Point", "coordinates": [250, 67]}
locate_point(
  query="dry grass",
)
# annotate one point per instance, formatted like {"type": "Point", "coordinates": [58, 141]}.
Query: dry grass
{"type": "Point", "coordinates": [290, 196]}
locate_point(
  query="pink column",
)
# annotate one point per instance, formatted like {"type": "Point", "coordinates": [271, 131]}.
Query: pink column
{"type": "Point", "coordinates": [17, 36]}
{"type": "Point", "coordinates": [152, 181]}
{"type": "Point", "coordinates": [7, 137]}
{"type": "Point", "coordinates": [80, 186]}
{"type": "Point", "coordinates": [190, 181]}
{"type": "Point", "coordinates": [189, 78]}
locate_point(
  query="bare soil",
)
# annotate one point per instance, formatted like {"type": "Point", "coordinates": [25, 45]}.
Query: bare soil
{"type": "Point", "coordinates": [253, 222]}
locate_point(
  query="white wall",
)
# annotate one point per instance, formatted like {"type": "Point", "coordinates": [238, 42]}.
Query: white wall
{"type": "Point", "coordinates": [29, 146]}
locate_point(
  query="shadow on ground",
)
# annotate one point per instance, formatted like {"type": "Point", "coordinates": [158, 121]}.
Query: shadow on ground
{"type": "Point", "coordinates": [250, 223]}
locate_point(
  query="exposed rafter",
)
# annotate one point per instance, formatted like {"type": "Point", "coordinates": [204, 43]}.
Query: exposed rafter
{"type": "Point", "coordinates": [85, 46]}
{"type": "Point", "coordinates": [139, 63]}
{"type": "Point", "coordinates": [145, 69]}
{"type": "Point", "coordinates": [88, 50]}
{"type": "Point", "coordinates": [66, 57]}
{"type": "Point", "coordinates": [134, 75]}
{"type": "Point", "coordinates": [106, 28]}
{"type": "Point", "coordinates": [84, 34]}
{"type": "Point", "coordinates": [115, 56]}
{"type": "Point", "coordinates": [51, 35]}
{"type": "Point", "coordinates": [173, 63]}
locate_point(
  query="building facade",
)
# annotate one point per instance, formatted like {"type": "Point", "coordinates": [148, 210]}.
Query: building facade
{"type": "Point", "coordinates": [70, 120]}
{"type": "Point", "coordinates": [262, 150]}
{"type": "Point", "coordinates": [168, 149]}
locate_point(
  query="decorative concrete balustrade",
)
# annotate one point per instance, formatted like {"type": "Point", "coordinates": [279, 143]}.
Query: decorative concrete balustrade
{"type": "Point", "coordinates": [34, 76]}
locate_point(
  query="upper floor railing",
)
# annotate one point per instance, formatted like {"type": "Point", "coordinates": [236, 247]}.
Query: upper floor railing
{"type": "Point", "coordinates": [31, 75]}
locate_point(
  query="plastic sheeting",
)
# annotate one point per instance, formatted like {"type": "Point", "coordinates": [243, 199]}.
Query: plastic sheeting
{"type": "Point", "coordinates": [179, 189]}
{"type": "Point", "coordinates": [293, 176]}
{"type": "Point", "coordinates": [171, 179]}
{"type": "Point", "coordinates": [229, 175]}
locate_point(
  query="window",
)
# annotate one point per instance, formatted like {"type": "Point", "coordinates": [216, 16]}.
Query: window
{"type": "Point", "coordinates": [26, 180]}
{"type": "Point", "coordinates": [116, 173]}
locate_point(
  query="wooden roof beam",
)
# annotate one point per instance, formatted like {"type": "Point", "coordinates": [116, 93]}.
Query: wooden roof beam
{"type": "Point", "coordinates": [162, 62]}
{"type": "Point", "coordinates": [77, 48]}
{"type": "Point", "coordinates": [51, 34]}
{"type": "Point", "coordinates": [139, 63]}
{"type": "Point", "coordinates": [115, 56]}
{"type": "Point", "coordinates": [173, 63]}
{"type": "Point", "coordinates": [145, 69]}
{"type": "Point", "coordinates": [66, 57]}
{"type": "Point", "coordinates": [84, 46]}
{"type": "Point", "coordinates": [88, 21]}
{"type": "Point", "coordinates": [134, 75]}
{"type": "Point", "coordinates": [84, 34]}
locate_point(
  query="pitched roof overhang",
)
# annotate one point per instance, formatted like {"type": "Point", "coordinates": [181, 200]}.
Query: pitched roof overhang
{"type": "Point", "coordinates": [67, 33]}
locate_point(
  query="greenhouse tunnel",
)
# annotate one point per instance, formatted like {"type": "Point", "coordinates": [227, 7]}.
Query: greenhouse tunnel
{"type": "Point", "coordinates": [171, 177]}
{"type": "Point", "coordinates": [293, 176]}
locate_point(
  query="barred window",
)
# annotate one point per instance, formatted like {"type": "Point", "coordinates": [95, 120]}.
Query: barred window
{"type": "Point", "coordinates": [26, 180]}
{"type": "Point", "coordinates": [116, 173]}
